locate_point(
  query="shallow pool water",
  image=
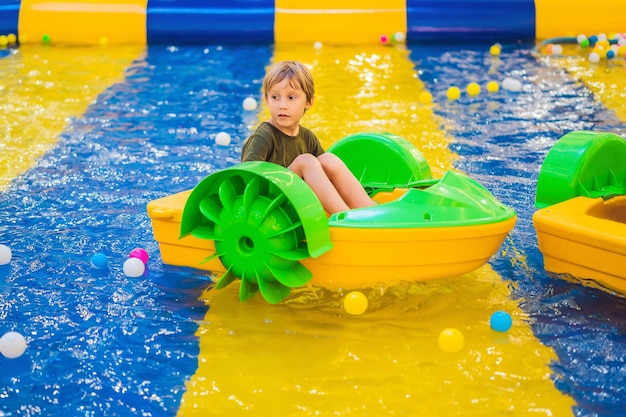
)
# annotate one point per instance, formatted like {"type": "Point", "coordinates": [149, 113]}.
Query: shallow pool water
{"type": "Point", "coordinates": [168, 343]}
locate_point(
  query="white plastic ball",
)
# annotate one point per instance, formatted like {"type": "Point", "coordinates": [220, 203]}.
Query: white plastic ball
{"type": "Point", "coordinates": [399, 37]}
{"type": "Point", "coordinates": [249, 104]}
{"type": "Point", "coordinates": [5, 254]}
{"type": "Point", "coordinates": [222, 139]}
{"type": "Point", "coordinates": [318, 45]}
{"type": "Point", "coordinates": [581, 38]}
{"type": "Point", "coordinates": [134, 267]}
{"type": "Point", "coordinates": [12, 345]}
{"type": "Point", "coordinates": [511, 84]}
{"type": "Point", "coordinates": [557, 50]}
{"type": "Point", "coordinates": [594, 57]}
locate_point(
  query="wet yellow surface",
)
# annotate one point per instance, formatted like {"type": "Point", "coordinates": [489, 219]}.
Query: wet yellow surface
{"type": "Point", "coordinates": [42, 88]}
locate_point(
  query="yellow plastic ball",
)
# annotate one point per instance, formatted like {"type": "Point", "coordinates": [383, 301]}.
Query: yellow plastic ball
{"type": "Point", "coordinates": [453, 93]}
{"type": "Point", "coordinates": [473, 89]}
{"type": "Point", "coordinates": [603, 43]}
{"type": "Point", "coordinates": [621, 50]}
{"type": "Point", "coordinates": [4, 41]}
{"type": "Point", "coordinates": [355, 303]}
{"type": "Point", "coordinates": [495, 50]}
{"type": "Point", "coordinates": [493, 87]}
{"type": "Point", "coordinates": [11, 38]}
{"type": "Point", "coordinates": [425, 97]}
{"type": "Point", "coordinates": [451, 340]}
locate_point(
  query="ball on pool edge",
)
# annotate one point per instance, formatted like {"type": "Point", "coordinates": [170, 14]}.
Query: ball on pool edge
{"type": "Point", "coordinates": [500, 321]}
{"type": "Point", "coordinates": [12, 345]}
{"type": "Point", "coordinates": [355, 303]}
{"type": "Point", "coordinates": [451, 340]}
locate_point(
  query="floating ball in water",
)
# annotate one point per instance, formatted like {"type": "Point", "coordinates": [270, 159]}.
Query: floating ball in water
{"type": "Point", "coordinates": [5, 254]}
{"type": "Point", "coordinates": [493, 87]}
{"type": "Point", "coordinates": [134, 267]}
{"type": "Point", "coordinates": [139, 253]}
{"type": "Point", "coordinates": [511, 84]}
{"type": "Point", "coordinates": [495, 49]}
{"type": "Point", "coordinates": [222, 139]}
{"type": "Point", "coordinates": [318, 45]}
{"type": "Point", "coordinates": [11, 38]}
{"type": "Point", "coordinates": [557, 50]}
{"type": "Point", "coordinates": [249, 104]}
{"type": "Point", "coordinates": [398, 37]}
{"type": "Point", "coordinates": [451, 340]}
{"type": "Point", "coordinates": [425, 97]}
{"type": "Point", "coordinates": [473, 89]}
{"type": "Point", "coordinates": [355, 303]}
{"type": "Point", "coordinates": [610, 54]}
{"type": "Point", "coordinates": [453, 93]}
{"type": "Point", "coordinates": [500, 321]}
{"type": "Point", "coordinates": [384, 39]}
{"type": "Point", "coordinates": [4, 41]}
{"type": "Point", "coordinates": [12, 345]}
{"type": "Point", "coordinates": [99, 261]}
{"type": "Point", "coordinates": [594, 57]}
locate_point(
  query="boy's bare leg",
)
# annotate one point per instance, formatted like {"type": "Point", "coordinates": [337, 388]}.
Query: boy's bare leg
{"type": "Point", "coordinates": [346, 184]}
{"type": "Point", "coordinates": [309, 168]}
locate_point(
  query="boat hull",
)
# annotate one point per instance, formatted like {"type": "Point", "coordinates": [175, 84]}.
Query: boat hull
{"type": "Point", "coordinates": [360, 257]}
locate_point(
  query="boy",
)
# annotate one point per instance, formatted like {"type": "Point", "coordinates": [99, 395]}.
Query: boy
{"type": "Point", "coordinates": [289, 91]}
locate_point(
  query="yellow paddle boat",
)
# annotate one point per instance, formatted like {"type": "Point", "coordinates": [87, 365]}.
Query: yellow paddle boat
{"type": "Point", "coordinates": [581, 221]}
{"type": "Point", "coordinates": [260, 223]}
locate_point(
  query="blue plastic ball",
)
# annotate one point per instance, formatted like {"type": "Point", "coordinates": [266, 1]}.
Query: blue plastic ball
{"type": "Point", "coordinates": [99, 261]}
{"type": "Point", "coordinates": [610, 54]}
{"type": "Point", "coordinates": [501, 321]}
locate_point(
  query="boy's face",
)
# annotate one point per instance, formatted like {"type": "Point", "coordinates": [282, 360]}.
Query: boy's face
{"type": "Point", "coordinates": [287, 103]}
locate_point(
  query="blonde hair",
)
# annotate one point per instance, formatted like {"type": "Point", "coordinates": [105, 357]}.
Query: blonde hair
{"type": "Point", "coordinates": [298, 75]}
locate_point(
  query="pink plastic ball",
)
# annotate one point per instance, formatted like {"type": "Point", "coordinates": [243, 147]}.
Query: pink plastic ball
{"type": "Point", "coordinates": [139, 253]}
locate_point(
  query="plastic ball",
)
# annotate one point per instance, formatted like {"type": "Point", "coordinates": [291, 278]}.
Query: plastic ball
{"type": "Point", "coordinates": [453, 93]}
{"type": "Point", "coordinates": [133, 267]}
{"type": "Point", "coordinates": [12, 345]}
{"type": "Point", "coordinates": [593, 39]}
{"type": "Point", "coordinates": [425, 97]}
{"type": "Point", "coordinates": [318, 45]}
{"type": "Point", "coordinates": [473, 89]}
{"type": "Point", "coordinates": [4, 41]}
{"type": "Point", "coordinates": [621, 50]}
{"type": "Point", "coordinates": [451, 340]}
{"type": "Point", "coordinates": [594, 57]}
{"type": "Point", "coordinates": [222, 139]}
{"type": "Point", "coordinates": [500, 321]}
{"type": "Point", "coordinates": [384, 39]}
{"type": "Point", "coordinates": [249, 104]}
{"type": "Point", "coordinates": [557, 50]}
{"type": "Point", "coordinates": [495, 50]}
{"type": "Point", "coordinates": [584, 43]}
{"type": "Point", "coordinates": [5, 254]}
{"type": "Point", "coordinates": [11, 38]}
{"type": "Point", "coordinates": [581, 38]}
{"type": "Point", "coordinates": [355, 303]}
{"type": "Point", "coordinates": [399, 37]}
{"type": "Point", "coordinates": [140, 253]}
{"type": "Point", "coordinates": [511, 84]}
{"type": "Point", "coordinates": [610, 54]}
{"type": "Point", "coordinates": [45, 38]}
{"type": "Point", "coordinates": [549, 48]}
{"type": "Point", "coordinates": [99, 261]}
{"type": "Point", "coordinates": [493, 87]}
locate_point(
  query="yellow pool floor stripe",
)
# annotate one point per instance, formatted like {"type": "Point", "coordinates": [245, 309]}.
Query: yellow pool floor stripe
{"type": "Point", "coordinates": [41, 89]}
{"type": "Point", "coordinates": [306, 357]}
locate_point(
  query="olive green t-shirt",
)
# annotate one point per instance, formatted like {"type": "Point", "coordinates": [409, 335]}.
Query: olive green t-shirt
{"type": "Point", "coordinates": [267, 143]}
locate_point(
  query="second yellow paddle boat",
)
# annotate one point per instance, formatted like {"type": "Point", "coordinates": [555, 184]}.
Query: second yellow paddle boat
{"type": "Point", "coordinates": [581, 197]}
{"type": "Point", "coordinates": [260, 223]}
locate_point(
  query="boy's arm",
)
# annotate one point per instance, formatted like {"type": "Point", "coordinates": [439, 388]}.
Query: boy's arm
{"type": "Point", "coordinates": [256, 148]}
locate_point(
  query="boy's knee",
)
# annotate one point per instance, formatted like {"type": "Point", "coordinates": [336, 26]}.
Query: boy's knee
{"type": "Point", "coordinates": [331, 162]}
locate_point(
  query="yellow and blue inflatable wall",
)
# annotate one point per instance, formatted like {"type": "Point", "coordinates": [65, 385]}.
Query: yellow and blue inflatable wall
{"type": "Point", "coordinates": [329, 21]}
